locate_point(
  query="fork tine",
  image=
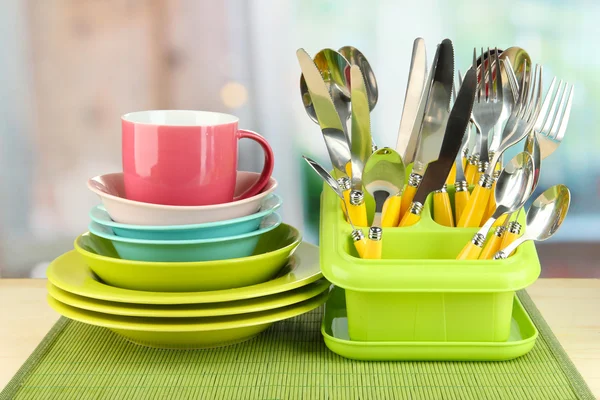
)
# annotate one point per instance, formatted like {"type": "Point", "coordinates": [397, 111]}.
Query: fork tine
{"type": "Point", "coordinates": [565, 117]}
{"type": "Point", "coordinates": [512, 80]}
{"type": "Point", "coordinates": [531, 103]}
{"type": "Point", "coordinates": [561, 113]}
{"type": "Point", "coordinates": [491, 93]}
{"type": "Point", "coordinates": [498, 95]}
{"type": "Point", "coordinates": [538, 96]}
{"type": "Point", "coordinates": [475, 69]}
{"type": "Point", "coordinates": [483, 86]}
{"type": "Point", "coordinates": [540, 124]}
{"type": "Point", "coordinates": [523, 93]}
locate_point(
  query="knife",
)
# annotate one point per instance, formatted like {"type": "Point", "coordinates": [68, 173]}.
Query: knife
{"type": "Point", "coordinates": [329, 121]}
{"type": "Point", "coordinates": [433, 123]}
{"type": "Point", "coordinates": [360, 144]}
{"type": "Point", "coordinates": [437, 171]}
{"type": "Point", "coordinates": [408, 133]}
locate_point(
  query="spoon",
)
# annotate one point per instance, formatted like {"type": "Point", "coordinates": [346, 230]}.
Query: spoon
{"type": "Point", "coordinates": [383, 177]}
{"type": "Point", "coordinates": [335, 70]}
{"type": "Point", "coordinates": [358, 236]}
{"type": "Point", "coordinates": [544, 217]}
{"type": "Point", "coordinates": [513, 228]}
{"type": "Point", "coordinates": [513, 188]}
{"type": "Point", "coordinates": [355, 57]}
{"type": "Point", "coordinates": [509, 231]}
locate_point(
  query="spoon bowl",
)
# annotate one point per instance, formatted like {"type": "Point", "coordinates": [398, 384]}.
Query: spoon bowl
{"type": "Point", "coordinates": [384, 171]}
{"type": "Point", "coordinates": [383, 176]}
{"type": "Point", "coordinates": [544, 217]}
{"type": "Point", "coordinates": [547, 213]}
{"type": "Point", "coordinates": [515, 184]}
{"type": "Point", "coordinates": [355, 57]}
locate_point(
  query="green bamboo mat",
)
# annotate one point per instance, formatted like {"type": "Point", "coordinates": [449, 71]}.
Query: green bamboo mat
{"type": "Point", "coordinates": [289, 361]}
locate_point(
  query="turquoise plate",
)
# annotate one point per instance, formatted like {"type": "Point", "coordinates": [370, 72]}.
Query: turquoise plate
{"type": "Point", "coordinates": [223, 248]}
{"type": "Point", "coordinates": [230, 227]}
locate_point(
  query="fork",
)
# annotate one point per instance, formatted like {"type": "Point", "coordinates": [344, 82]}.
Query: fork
{"type": "Point", "coordinates": [549, 131]}
{"type": "Point", "coordinates": [486, 111]}
{"type": "Point", "coordinates": [522, 119]}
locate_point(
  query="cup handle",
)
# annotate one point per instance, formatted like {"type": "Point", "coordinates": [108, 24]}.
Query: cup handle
{"type": "Point", "coordinates": [267, 168]}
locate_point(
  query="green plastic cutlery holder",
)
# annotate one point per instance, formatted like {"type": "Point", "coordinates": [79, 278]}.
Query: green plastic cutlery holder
{"type": "Point", "coordinates": [418, 291]}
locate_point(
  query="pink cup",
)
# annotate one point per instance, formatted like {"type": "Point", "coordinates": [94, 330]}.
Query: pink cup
{"type": "Point", "coordinates": [185, 158]}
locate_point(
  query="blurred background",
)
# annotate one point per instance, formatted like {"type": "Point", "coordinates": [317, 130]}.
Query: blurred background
{"type": "Point", "coordinates": [71, 68]}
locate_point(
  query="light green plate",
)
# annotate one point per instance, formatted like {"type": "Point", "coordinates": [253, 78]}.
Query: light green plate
{"type": "Point", "coordinates": [522, 338]}
{"type": "Point", "coordinates": [270, 255]}
{"type": "Point", "coordinates": [70, 273]}
{"type": "Point", "coordinates": [188, 333]}
{"type": "Point", "coordinates": [191, 310]}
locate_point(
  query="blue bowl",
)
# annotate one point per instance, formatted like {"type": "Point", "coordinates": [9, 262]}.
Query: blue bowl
{"type": "Point", "coordinates": [187, 250]}
{"type": "Point", "coordinates": [210, 230]}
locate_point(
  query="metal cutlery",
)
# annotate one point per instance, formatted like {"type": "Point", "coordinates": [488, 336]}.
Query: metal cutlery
{"type": "Point", "coordinates": [360, 145]}
{"type": "Point", "coordinates": [357, 235]}
{"type": "Point", "coordinates": [329, 121]}
{"type": "Point", "coordinates": [435, 102]}
{"type": "Point", "coordinates": [546, 136]}
{"type": "Point", "coordinates": [488, 105]}
{"type": "Point", "coordinates": [355, 57]}
{"type": "Point", "coordinates": [461, 185]}
{"type": "Point", "coordinates": [435, 175]}
{"type": "Point", "coordinates": [383, 177]}
{"type": "Point", "coordinates": [503, 231]}
{"type": "Point", "coordinates": [408, 132]}
{"type": "Point", "coordinates": [544, 218]}
{"type": "Point", "coordinates": [335, 72]}
{"type": "Point", "coordinates": [521, 121]}
{"type": "Point", "coordinates": [512, 191]}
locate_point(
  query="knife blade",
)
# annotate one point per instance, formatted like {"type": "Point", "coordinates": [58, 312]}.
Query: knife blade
{"type": "Point", "coordinates": [329, 120]}
{"type": "Point", "coordinates": [408, 135]}
{"type": "Point", "coordinates": [361, 127]}
{"type": "Point", "coordinates": [435, 117]}
{"type": "Point", "coordinates": [437, 171]}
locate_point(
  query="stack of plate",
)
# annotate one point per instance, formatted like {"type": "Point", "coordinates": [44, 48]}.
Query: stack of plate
{"type": "Point", "coordinates": [185, 319]}
{"type": "Point", "coordinates": [186, 276]}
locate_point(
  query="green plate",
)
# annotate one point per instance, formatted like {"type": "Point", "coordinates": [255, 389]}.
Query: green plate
{"type": "Point", "coordinates": [70, 273]}
{"type": "Point", "coordinates": [522, 338]}
{"type": "Point", "coordinates": [188, 333]}
{"type": "Point", "coordinates": [270, 255]}
{"type": "Point", "coordinates": [191, 310]}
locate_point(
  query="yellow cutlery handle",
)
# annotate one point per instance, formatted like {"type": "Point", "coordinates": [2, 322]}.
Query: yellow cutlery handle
{"type": "Point", "coordinates": [373, 249]}
{"type": "Point", "coordinates": [501, 220]}
{"type": "Point", "coordinates": [509, 237]}
{"type": "Point", "coordinates": [358, 214]}
{"type": "Point", "coordinates": [346, 194]}
{"type": "Point", "coordinates": [452, 175]}
{"type": "Point", "coordinates": [491, 247]}
{"type": "Point", "coordinates": [391, 211]}
{"type": "Point", "coordinates": [360, 246]}
{"type": "Point", "coordinates": [409, 219]}
{"type": "Point", "coordinates": [407, 198]}
{"type": "Point", "coordinates": [491, 207]}
{"type": "Point", "coordinates": [465, 161]}
{"type": "Point", "coordinates": [476, 206]}
{"type": "Point", "coordinates": [469, 252]}
{"type": "Point", "coordinates": [470, 173]}
{"type": "Point", "coordinates": [442, 209]}
{"type": "Point", "coordinates": [460, 202]}
{"type": "Point", "coordinates": [477, 177]}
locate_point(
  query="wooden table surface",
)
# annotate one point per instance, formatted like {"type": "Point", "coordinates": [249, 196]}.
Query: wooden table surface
{"type": "Point", "coordinates": [570, 306]}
